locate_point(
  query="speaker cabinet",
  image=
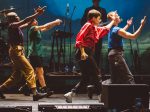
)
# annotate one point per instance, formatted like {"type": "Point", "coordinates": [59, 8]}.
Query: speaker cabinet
{"type": "Point", "coordinates": [124, 96]}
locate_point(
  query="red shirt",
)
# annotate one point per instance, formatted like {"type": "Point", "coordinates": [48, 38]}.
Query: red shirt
{"type": "Point", "coordinates": [89, 35]}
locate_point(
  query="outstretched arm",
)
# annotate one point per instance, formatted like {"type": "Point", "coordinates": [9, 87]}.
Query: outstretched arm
{"type": "Point", "coordinates": [49, 25]}
{"type": "Point", "coordinates": [129, 22]}
{"type": "Point", "coordinates": [29, 18]}
{"type": "Point", "coordinates": [128, 35]}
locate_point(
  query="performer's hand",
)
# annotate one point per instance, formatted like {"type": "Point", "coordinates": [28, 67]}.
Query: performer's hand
{"type": "Point", "coordinates": [114, 17]}
{"type": "Point", "coordinates": [84, 56]}
{"type": "Point", "coordinates": [129, 22]}
{"type": "Point", "coordinates": [40, 10]}
{"type": "Point", "coordinates": [58, 21]}
{"type": "Point", "coordinates": [143, 21]}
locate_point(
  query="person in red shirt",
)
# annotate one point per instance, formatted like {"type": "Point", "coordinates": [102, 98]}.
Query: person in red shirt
{"type": "Point", "coordinates": [89, 34]}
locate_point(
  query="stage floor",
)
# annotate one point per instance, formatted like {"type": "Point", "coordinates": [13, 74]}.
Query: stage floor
{"type": "Point", "coordinates": [21, 100]}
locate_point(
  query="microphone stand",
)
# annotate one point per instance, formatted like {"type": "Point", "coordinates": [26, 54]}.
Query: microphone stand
{"type": "Point", "coordinates": [136, 55]}
{"type": "Point", "coordinates": [70, 31]}
{"type": "Point", "coordinates": [131, 48]}
{"type": "Point", "coordinates": [64, 41]}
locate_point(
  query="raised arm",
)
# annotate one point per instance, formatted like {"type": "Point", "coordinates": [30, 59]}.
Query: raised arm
{"type": "Point", "coordinates": [113, 19]}
{"type": "Point", "coordinates": [29, 18]}
{"type": "Point", "coordinates": [129, 22]}
{"type": "Point", "coordinates": [49, 25]}
{"type": "Point", "coordinates": [128, 35]}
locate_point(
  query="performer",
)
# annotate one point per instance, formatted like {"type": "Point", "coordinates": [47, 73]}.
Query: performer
{"type": "Point", "coordinates": [98, 45]}
{"type": "Point", "coordinates": [120, 72]}
{"type": "Point", "coordinates": [20, 63]}
{"type": "Point", "coordinates": [35, 53]}
{"type": "Point", "coordinates": [89, 34]}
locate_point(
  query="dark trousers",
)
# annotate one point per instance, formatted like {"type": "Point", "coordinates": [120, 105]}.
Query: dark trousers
{"type": "Point", "coordinates": [97, 54]}
{"type": "Point", "coordinates": [89, 72]}
{"type": "Point", "coordinates": [120, 73]}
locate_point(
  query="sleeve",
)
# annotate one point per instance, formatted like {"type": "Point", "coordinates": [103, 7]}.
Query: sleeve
{"type": "Point", "coordinates": [31, 38]}
{"type": "Point", "coordinates": [83, 32]}
{"type": "Point", "coordinates": [116, 29]}
{"type": "Point", "coordinates": [102, 31]}
{"type": "Point", "coordinates": [30, 49]}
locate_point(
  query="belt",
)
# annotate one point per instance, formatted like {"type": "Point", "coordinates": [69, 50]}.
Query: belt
{"type": "Point", "coordinates": [117, 48]}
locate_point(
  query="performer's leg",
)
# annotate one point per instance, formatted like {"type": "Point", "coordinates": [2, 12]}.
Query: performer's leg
{"type": "Point", "coordinates": [95, 79]}
{"type": "Point", "coordinates": [120, 72]}
{"type": "Point", "coordinates": [22, 64]}
{"type": "Point", "coordinates": [12, 81]}
{"type": "Point", "coordinates": [84, 78]}
{"type": "Point", "coordinates": [40, 75]}
{"type": "Point", "coordinates": [97, 54]}
{"type": "Point", "coordinates": [82, 83]}
{"type": "Point", "coordinates": [126, 75]}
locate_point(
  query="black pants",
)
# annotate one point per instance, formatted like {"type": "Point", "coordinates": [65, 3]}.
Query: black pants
{"type": "Point", "coordinates": [120, 73]}
{"type": "Point", "coordinates": [97, 54]}
{"type": "Point", "coordinates": [89, 72]}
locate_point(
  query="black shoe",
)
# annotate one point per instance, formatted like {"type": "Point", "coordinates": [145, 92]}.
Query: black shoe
{"type": "Point", "coordinates": [2, 95]}
{"type": "Point", "coordinates": [39, 96]}
{"type": "Point", "coordinates": [90, 91]}
{"type": "Point", "coordinates": [47, 90]}
{"type": "Point", "coordinates": [25, 90]}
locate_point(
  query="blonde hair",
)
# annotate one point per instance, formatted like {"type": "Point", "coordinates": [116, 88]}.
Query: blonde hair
{"type": "Point", "coordinates": [110, 14]}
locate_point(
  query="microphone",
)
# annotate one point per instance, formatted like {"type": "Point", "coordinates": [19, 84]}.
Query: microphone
{"type": "Point", "coordinates": [67, 9]}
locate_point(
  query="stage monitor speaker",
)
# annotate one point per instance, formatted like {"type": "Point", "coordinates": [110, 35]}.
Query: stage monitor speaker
{"type": "Point", "coordinates": [122, 96]}
{"type": "Point", "coordinates": [15, 108]}
{"type": "Point", "coordinates": [71, 107]}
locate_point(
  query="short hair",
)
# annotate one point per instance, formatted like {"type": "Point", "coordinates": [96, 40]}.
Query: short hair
{"type": "Point", "coordinates": [109, 15]}
{"type": "Point", "coordinates": [11, 17]}
{"type": "Point", "coordinates": [93, 13]}
{"type": "Point", "coordinates": [11, 14]}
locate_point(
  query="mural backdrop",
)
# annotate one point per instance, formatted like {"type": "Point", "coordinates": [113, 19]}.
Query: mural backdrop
{"type": "Point", "coordinates": [137, 52]}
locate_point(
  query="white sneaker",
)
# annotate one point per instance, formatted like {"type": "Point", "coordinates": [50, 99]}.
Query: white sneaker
{"type": "Point", "coordinates": [99, 98]}
{"type": "Point", "coordinates": [69, 96]}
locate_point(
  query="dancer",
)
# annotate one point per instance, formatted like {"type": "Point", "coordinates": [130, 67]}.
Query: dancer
{"type": "Point", "coordinates": [34, 53]}
{"type": "Point", "coordinates": [20, 63]}
{"type": "Point", "coordinates": [120, 73]}
{"type": "Point", "coordinates": [89, 34]}
{"type": "Point", "coordinates": [98, 45]}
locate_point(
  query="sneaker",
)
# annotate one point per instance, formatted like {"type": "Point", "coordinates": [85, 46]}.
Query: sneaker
{"type": "Point", "coordinates": [2, 95]}
{"type": "Point", "coordinates": [68, 96]}
{"type": "Point", "coordinates": [39, 96]}
{"type": "Point", "coordinates": [99, 98]}
{"type": "Point", "coordinates": [90, 91]}
{"type": "Point", "coordinates": [48, 91]}
{"type": "Point", "coordinates": [25, 90]}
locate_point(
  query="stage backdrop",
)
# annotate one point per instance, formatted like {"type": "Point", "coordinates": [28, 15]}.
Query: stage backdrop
{"type": "Point", "coordinates": [71, 11]}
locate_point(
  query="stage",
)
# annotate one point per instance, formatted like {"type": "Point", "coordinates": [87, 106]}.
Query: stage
{"type": "Point", "coordinates": [21, 100]}
{"type": "Point", "coordinates": [14, 100]}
